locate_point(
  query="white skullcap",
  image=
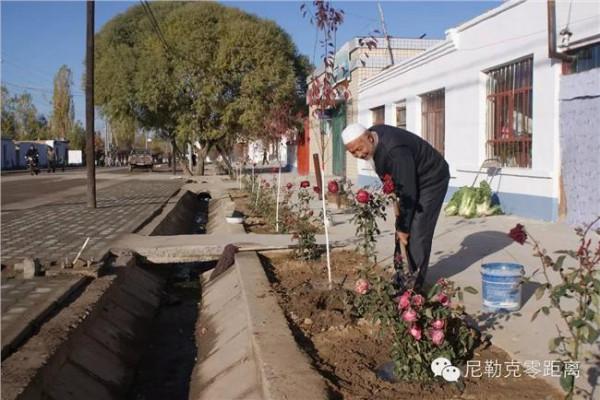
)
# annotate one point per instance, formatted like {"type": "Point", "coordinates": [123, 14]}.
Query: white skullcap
{"type": "Point", "coordinates": [352, 132]}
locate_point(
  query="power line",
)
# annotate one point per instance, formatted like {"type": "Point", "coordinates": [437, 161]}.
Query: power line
{"type": "Point", "coordinates": [37, 89]}
{"type": "Point", "coordinates": [31, 69]}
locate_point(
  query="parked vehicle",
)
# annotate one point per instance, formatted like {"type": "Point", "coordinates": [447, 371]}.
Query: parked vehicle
{"type": "Point", "coordinates": [140, 159]}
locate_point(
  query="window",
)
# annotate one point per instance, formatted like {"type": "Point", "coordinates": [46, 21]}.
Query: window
{"type": "Point", "coordinates": [378, 115]}
{"type": "Point", "coordinates": [433, 118]}
{"type": "Point", "coordinates": [509, 113]}
{"type": "Point", "coordinates": [586, 58]}
{"type": "Point", "coordinates": [401, 115]}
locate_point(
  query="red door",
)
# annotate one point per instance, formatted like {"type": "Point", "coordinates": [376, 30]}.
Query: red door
{"type": "Point", "coordinates": [304, 150]}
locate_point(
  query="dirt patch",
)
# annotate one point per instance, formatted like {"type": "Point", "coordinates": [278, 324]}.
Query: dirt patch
{"type": "Point", "coordinates": [253, 223]}
{"type": "Point", "coordinates": [346, 351]}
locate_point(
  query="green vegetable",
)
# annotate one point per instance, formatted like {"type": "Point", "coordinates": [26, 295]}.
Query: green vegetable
{"type": "Point", "coordinates": [469, 202]}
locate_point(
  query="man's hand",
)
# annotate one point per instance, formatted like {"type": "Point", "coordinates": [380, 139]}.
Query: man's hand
{"type": "Point", "coordinates": [402, 237]}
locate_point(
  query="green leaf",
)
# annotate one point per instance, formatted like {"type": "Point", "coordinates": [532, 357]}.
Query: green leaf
{"type": "Point", "coordinates": [593, 335]}
{"type": "Point", "coordinates": [589, 314]}
{"type": "Point", "coordinates": [577, 323]}
{"type": "Point", "coordinates": [471, 290]}
{"type": "Point", "coordinates": [559, 263]}
{"type": "Point", "coordinates": [566, 382]}
{"type": "Point", "coordinates": [535, 314]}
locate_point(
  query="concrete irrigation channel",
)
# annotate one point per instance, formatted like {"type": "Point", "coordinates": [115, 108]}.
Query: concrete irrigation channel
{"type": "Point", "coordinates": [152, 324]}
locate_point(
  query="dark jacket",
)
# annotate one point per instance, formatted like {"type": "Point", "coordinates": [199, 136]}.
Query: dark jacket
{"type": "Point", "coordinates": [32, 152]}
{"type": "Point", "coordinates": [413, 164]}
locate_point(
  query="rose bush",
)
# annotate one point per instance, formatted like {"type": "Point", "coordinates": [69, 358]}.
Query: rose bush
{"type": "Point", "coordinates": [422, 326]}
{"type": "Point", "coordinates": [574, 295]}
{"type": "Point", "coordinates": [367, 208]}
{"type": "Point", "coordinates": [304, 224]}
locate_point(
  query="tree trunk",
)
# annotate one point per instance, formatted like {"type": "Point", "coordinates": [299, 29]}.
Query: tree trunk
{"type": "Point", "coordinates": [201, 158]}
{"type": "Point", "coordinates": [225, 159]}
{"type": "Point", "coordinates": [177, 152]}
{"type": "Point", "coordinates": [173, 157]}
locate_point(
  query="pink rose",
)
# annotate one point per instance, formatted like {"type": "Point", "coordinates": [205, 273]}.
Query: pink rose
{"type": "Point", "coordinates": [409, 315]}
{"type": "Point", "coordinates": [442, 282]}
{"type": "Point", "coordinates": [418, 300]}
{"type": "Point", "coordinates": [437, 336]}
{"type": "Point", "coordinates": [438, 324]}
{"type": "Point", "coordinates": [304, 184]}
{"type": "Point", "coordinates": [415, 331]}
{"type": "Point", "coordinates": [289, 185]}
{"type": "Point", "coordinates": [404, 301]}
{"type": "Point", "coordinates": [444, 299]}
{"type": "Point", "coordinates": [361, 286]}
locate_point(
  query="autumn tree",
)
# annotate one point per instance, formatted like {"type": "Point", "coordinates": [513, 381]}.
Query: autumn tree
{"type": "Point", "coordinates": [63, 108]}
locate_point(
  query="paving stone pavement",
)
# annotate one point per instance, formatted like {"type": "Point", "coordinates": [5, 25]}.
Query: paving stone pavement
{"type": "Point", "coordinates": [26, 302]}
{"type": "Point", "coordinates": [54, 231]}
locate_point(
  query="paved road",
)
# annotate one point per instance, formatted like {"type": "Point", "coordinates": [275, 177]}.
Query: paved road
{"type": "Point", "coordinates": [46, 216]}
{"type": "Point", "coordinates": [19, 187]}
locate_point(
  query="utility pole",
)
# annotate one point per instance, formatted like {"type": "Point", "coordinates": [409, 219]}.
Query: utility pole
{"type": "Point", "coordinates": [387, 37]}
{"type": "Point", "coordinates": [89, 107]}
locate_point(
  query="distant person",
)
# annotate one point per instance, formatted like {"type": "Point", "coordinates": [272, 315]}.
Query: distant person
{"type": "Point", "coordinates": [264, 160]}
{"type": "Point", "coordinates": [32, 152]}
{"type": "Point", "coordinates": [51, 154]}
{"type": "Point", "coordinates": [33, 157]}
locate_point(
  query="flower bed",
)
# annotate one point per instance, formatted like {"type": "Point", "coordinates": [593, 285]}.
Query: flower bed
{"type": "Point", "coordinates": [253, 222]}
{"type": "Point", "coordinates": [346, 349]}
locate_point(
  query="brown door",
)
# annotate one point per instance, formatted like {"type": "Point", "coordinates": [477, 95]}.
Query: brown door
{"type": "Point", "coordinates": [433, 126]}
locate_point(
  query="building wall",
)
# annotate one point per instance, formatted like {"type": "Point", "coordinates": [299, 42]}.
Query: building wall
{"type": "Point", "coordinates": [580, 145]}
{"type": "Point", "coordinates": [9, 155]}
{"type": "Point", "coordinates": [514, 30]}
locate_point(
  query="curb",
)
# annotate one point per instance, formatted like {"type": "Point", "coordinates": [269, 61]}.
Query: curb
{"type": "Point", "coordinates": [246, 347]}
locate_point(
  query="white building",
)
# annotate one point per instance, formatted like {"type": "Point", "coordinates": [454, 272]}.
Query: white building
{"type": "Point", "coordinates": [491, 90]}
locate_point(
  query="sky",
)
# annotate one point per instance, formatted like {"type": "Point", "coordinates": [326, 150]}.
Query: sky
{"type": "Point", "coordinates": [38, 37]}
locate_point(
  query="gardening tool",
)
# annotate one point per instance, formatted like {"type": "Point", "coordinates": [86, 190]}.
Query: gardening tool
{"type": "Point", "coordinates": [403, 272]}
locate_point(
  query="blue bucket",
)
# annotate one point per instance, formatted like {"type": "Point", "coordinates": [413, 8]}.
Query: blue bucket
{"type": "Point", "coordinates": [501, 286]}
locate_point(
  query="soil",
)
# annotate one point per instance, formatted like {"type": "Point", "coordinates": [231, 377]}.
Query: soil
{"type": "Point", "coordinates": [253, 223]}
{"type": "Point", "coordinates": [346, 351]}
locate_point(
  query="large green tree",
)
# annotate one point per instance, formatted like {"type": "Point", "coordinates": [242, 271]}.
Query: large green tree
{"type": "Point", "coordinates": [123, 132]}
{"type": "Point", "coordinates": [63, 108]}
{"type": "Point", "coordinates": [213, 79]}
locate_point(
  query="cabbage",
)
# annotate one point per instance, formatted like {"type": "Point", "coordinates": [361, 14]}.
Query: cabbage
{"type": "Point", "coordinates": [452, 207]}
{"type": "Point", "coordinates": [470, 202]}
